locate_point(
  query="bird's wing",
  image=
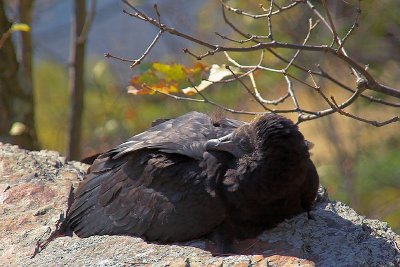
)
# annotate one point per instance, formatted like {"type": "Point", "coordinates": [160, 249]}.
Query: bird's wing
{"type": "Point", "coordinates": [185, 135]}
{"type": "Point", "coordinates": [226, 123]}
{"type": "Point", "coordinates": [156, 184]}
{"type": "Point", "coordinates": [160, 196]}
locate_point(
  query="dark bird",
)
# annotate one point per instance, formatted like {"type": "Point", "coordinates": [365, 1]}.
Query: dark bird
{"type": "Point", "coordinates": [193, 176]}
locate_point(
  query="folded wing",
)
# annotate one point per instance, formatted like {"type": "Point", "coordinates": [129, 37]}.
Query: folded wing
{"type": "Point", "coordinates": [185, 135]}
{"type": "Point", "coordinates": [153, 185]}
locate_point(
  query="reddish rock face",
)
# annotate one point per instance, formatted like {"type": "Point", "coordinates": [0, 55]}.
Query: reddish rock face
{"type": "Point", "coordinates": [33, 190]}
{"type": "Point", "coordinates": [34, 187]}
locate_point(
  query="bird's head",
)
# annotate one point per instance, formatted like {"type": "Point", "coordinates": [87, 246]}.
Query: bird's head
{"type": "Point", "coordinates": [265, 135]}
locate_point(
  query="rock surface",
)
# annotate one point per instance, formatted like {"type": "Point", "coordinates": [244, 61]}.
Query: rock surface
{"type": "Point", "coordinates": [33, 192]}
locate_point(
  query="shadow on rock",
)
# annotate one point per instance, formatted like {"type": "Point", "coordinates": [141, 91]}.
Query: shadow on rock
{"type": "Point", "coordinates": [335, 236]}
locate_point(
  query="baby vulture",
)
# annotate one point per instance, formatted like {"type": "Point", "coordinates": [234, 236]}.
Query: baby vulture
{"type": "Point", "coordinates": [193, 177]}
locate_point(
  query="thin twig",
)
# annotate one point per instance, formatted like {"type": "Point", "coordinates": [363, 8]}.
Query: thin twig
{"type": "Point", "coordinates": [259, 16]}
{"type": "Point", "coordinates": [374, 123]}
{"type": "Point", "coordinates": [294, 98]}
{"type": "Point", "coordinates": [236, 41]}
{"type": "Point", "coordinates": [263, 100]}
{"type": "Point", "coordinates": [171, 95]}
{"type": "Point", "coordinates": [335, 35]}
{"type": "Point", "coordinates": [256, 92]}
{"type": "Point", "coordinates": [170, 30]}
{"type": "Point", "coordinates": [108, 55]}
{"type": "Point", "coordinates": [234, 62]}
{"type": "Point", "coordinates": [244, 112]}
{"type": "Point", "coordinates": [326, 75]}
{"type": "Point", "coordinates": [269, 22]}
{"type": "Point", "coordinates": [136, 62]}
{"type": "Point", "coordinates": [139, 60]}
{"type": "Point", "coordinates": [200, 57]}
{"type": "Point", "coordinates": [204, 100]}
{"type": "Point", "coordinates": [300, 80]}
{"type": "Point", "coordinates": [248, 90]}
{"type": "Point", "coordinates": [233, 27]}
{"type": "Point", "coordinates": [329, 77]}
{"type": "Point", "coordinates": [331, 110]}
{"type": "Point", "coordinates": [157, 13]}
{"type": "Point", "coordinates": [311, 26]}
{"type": "Point", "coordinates": [312, 7]}
{"type": "Point", "coordinates": [351, 30]}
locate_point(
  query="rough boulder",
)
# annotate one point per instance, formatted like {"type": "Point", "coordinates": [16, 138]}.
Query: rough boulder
{"type": "Point", "coordinates": [34, 186]}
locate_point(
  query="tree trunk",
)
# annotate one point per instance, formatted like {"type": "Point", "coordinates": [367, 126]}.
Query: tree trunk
{"type": "Point", "coordinates": [76, 80]}
{"type": "Point", "coordinates": [25, 16]}
{"type": "Point", "coordinates": [16, 95]}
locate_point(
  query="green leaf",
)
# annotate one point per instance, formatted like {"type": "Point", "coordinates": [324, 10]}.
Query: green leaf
{"type": "Point", "coordinates": [172, 72]}
{"type": "Point", "coordinates": [165, 78]}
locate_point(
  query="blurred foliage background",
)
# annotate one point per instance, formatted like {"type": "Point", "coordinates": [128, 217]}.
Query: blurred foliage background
{"type": "Point", "coordinates": [358, 163]}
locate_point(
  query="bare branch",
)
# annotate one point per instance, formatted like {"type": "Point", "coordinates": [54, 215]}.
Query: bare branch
{"type": "Point", "coordinates": [158, 13]}
{"type": "Point", "coordinates": [374, 123]}
{"type": "Point", "coordinates": [331, 110]}
{"type": "Point", "coordinates": [139, 60]}
{"type": "Point", "coordinates": [108, 55]}
{"type": "Point", "coordinates": [248, 90]}
{"type": "Point", "coordinates": [352, 28]}
{"type": "Point", "coordinates": [294, 99]}
{"type": "Point", "coordinates": [236, 41]}
{"type": "Point", "coordinates": [329, 77]}
{"type": "Point", "coordinates": [233, 27]}
{"type": "Point", "coordinates": [310, 28]}
{"type": "Point", "coordinates": [265, 101]}
{"type": "Point", "coordinates": [136, 62]}
{"type": "Point", "coordinates": [269, 15]}
{"type": "Point", "coordinates": [259, 16]}
{"type": "Point", "coordinates": [171, 95]}
{"type": "Point", "coordinates": [363, 79]}
{"type": "Point", "coordinates": [324, 74]}
{"type": "Point", "coordinates": [354, 70]}
{"type": "Point", "coordinates": [204, 100]}
{"type": "Point", "coordinates": [370, 82]}
{"type": "Point", "coordinates": [331, 24]}
{"type": "Point", "coordinates": [167, 29]}
{"type": "Point", "coordinates": [200, 57]}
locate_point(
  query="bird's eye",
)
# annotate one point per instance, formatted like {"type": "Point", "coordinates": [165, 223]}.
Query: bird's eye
{"type": "Point", "coordinates": [244, 144]}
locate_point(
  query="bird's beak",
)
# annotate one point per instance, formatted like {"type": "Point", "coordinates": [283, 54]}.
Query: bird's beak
{"type": "Point", "coordinates": [224, 143]}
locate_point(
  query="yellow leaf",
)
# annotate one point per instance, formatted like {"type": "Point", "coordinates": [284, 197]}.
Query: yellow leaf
{"type": "Point", "coordinates": [139, 91]}
{"type": "Point", "coordinates": [20, 27]}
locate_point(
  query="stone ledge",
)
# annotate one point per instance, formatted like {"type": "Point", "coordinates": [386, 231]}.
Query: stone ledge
{"type": "Point", "coordinates": [33, 191]}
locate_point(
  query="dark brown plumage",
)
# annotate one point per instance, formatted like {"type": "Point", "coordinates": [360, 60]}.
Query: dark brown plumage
{"type": "Point", "coordinates": [190, 177]}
